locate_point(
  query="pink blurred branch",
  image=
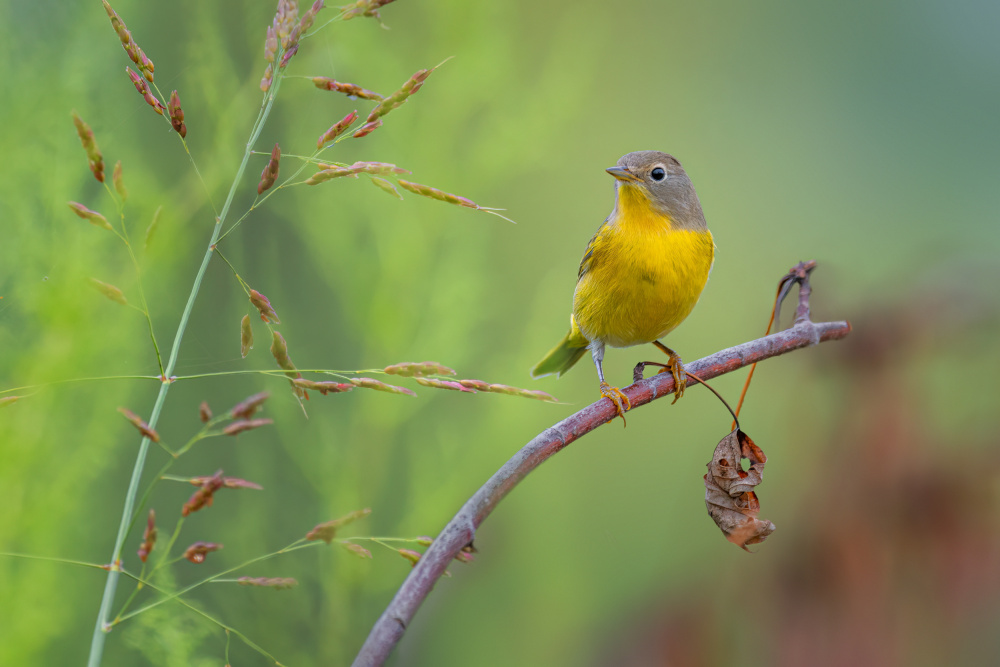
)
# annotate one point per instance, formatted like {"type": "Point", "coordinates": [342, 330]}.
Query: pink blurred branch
{"type": "Point", "coordinates": [461, 530]}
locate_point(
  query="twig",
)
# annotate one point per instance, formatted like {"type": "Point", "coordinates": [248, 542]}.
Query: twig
{"type": "Point", "coordinates": [461, 530]}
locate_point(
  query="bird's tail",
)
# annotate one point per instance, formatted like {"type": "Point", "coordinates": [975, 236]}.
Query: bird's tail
{"type": "Point", "coordinates": [562, 357]}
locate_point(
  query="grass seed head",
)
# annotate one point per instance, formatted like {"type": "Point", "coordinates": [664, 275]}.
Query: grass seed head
{"type": "Point", "coordinates": [139, 424]}
{"type": "Point", "coordinates": [398, 98]}
{"type": "Point", "coordinates": [357, 550]}
{"type": "Point", "coordinates": [242, 425]}
{"type": "Point", "coordinates": [148, 537]}
{"type": "Point", "coordinates": [143, 88]}
{"type": "Point", "coordinates": [270, 173]}
{"type": "Point", "coordinates": [94, 158]}
{"type": "Point", "coordinates": [370, 383]}
{"type": "Point", "coordinates": [385, 186]}
{"type": "Point", "coordinates": [93, 217]}
{"type": "Point", "coordinates": [246, 336]}
{"type": "Point", "coordinates": [204, 412]}
{"type": "Point", "coordinates": [265, 82]}
{"type": "Point", "coordinates": [327, 531]}
{"type": "Point", "coordinates": [135, 54]}
{"type": "Point", "coordinates": [176, 114]}
{"type": "Point", "coordinates": [109, 291]}
{"type": "Point", "coordinates": [197, 552]}
{"type": "Point", "coordinates": [416, 369]}
{"type": "Point", "coordinates": [363, 8]}
{"type": "Point", "coordinates": [323, 387]}
{"type": "Point", "coordinates": [279, 350]}
{"type": "Point", "coordinates": [270, 45]}
{"type": "Point", "coordinates": [246, 408]}
{"type": "Point", "coordinates": [349, 89]}
{"type": "Point", "coordinates": [116, 178]}
{"type": "Point", "coordinates": [443, 384]}
{"type": "Point", "coordinates": [337, 129]}
{"type": "Point", "coordinates": [263, 305]}
{"type": "Point", "coordinates": [204, 496]}
{"type": "Point", "coordinates": [410, 555]}
{"type": "Point", "coordinates": [277, 583]}
{"type": "Point", "coordinates": [367, 128]}
{"type": "Point", "coordinates": [434, 193]}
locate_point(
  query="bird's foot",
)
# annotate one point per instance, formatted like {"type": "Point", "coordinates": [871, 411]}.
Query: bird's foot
{"type": "Point", "coordinates": [676, 367]}
{"type": "Point", "coordinates": [617, 397]}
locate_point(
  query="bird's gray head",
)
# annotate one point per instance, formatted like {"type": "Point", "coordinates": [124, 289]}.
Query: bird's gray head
{"type": "Point", "coordinates": [663, 181]}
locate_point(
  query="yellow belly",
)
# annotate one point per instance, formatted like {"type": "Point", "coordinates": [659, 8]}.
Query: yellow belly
{"type": "Point", "coordinates": [643, 281]}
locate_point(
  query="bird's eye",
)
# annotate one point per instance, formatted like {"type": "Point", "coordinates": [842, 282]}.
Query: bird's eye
{"type": "Point", "coordinates": [658, 174]}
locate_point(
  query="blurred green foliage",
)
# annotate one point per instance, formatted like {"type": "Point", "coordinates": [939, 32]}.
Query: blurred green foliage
{"type": "Point", "coordinates": [859, 134]}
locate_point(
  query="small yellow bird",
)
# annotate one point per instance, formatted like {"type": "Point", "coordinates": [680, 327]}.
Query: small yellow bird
{"type": "Point", "coordinates": [642, 273]}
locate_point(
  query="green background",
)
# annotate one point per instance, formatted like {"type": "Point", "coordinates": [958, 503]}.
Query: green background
{"type": "Point", "coordinates": [862, 135]}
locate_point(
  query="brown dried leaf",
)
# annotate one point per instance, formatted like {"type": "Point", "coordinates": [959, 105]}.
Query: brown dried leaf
{"type": "Point", "coordinates": [729, 490]}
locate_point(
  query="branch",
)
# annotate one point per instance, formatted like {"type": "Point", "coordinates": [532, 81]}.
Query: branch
{"type": "Point", "coordinates": [461, 530]}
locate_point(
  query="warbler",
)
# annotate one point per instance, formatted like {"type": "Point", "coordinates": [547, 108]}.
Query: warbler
{"type": "Point", "coordinates": [641, 274]}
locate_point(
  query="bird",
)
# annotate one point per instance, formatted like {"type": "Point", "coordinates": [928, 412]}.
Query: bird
{"type": "Point", "coordinates": [642, 272]}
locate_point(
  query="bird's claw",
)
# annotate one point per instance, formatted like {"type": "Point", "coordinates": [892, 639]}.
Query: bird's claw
{"type": "Point", "coordinates": [617, 397]}
{"type": "Point", "coordinates": [676, 368]}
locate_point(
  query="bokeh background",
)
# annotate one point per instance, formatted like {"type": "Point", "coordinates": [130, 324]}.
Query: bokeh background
{"type": "Point", "coordinates": [860, 134]}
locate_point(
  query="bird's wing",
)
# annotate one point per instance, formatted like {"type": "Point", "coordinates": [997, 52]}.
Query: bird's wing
{"type": "Point", "coordinates": [594, 246]}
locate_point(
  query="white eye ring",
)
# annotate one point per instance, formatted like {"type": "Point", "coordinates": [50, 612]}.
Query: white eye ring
{"type": "Point", "coordinates": [659, 173]}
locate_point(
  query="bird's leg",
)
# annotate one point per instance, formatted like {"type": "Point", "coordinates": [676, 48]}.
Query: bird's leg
{"type": "Point", "coordinates": [676, 367]}
{"type": "Point", "coordinates": [614, 393]}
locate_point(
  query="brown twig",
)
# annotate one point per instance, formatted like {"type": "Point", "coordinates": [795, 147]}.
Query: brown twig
{"type": "Point", "coordinates": [461, 530]}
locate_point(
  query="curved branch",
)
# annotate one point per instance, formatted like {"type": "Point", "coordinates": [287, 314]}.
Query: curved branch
{"type": "Point", "coordinates": [460, 531]}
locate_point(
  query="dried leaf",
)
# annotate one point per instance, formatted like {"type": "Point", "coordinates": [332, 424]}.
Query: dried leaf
{"type": "Point", "coordinates": [729, 490]}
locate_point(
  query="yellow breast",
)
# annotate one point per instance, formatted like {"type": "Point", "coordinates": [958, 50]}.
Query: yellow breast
{"type": "Point", "coordinates": [641, 278]}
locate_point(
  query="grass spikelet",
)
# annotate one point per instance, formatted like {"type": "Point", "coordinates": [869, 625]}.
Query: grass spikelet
{"type": "Point", "coordinates": [434, 193]}
{"type": "Point", "coordinates": [263, 305]}
{"type": "Point", "coordinates": [443, 384]}
{"type": "Point", "coordinates": [148, 537]}
{"type": "Point", "coordinates": [417, 369]}
{"type": "Point", "coordinates": [410, 555]}
{"type": "Point", "coordinates": [243, 425]}
{"type": "Point", "coordinates": [323, 387]}
{"type": "Point", "coordinates": [267, 79]}
{"type": "Point", "coordinates": [204, 496]}
{"type": "Point", "coordinates": [279, 350]}
{"type": "Point", "coordinates": [143, 88]}
{"type": "Point", "coordinates": [153, 225]}
{"type": "Point", "coordinates": [9, 400]}
{"type": "Point", "coordinates": [328, 531]}
{"type": "Point", "coordinates": [270, 173]}
{"type": "Point", "coordinates": [109, 291]}
{"type": "Point", "coordinates": [116, 178]}
{"type": "Point", "coordinates": [385, 186]}
{"type": "Point", "coordinates": [227, 482]}
{"type": "Point", "coordinates": [139, 424]}
{"type": "Point", "coordinates": [246, 336]}
{"type": "Point", "coordinates": [398, 98]}
{"type": "Point", "coordinates": [94, 158]}
{"type": "Point", "coordinates": [357, 550]}
{"type": "Point", "coordinates": [337, 129]}
{"type": "Point", "coordinates": [135, 54]}
{"type": "Point", "coordinates": [370, 383]}
{"type": "Point", "coordinates": [176, 114]}
{"type": "Point", "coordinates": [364, 8]}
{"type": "Point", "coordinates": [479, 385]}
{"type": "Point", "coordinates": [204, 412]}
{"type": "Point", "coordinates": [197, 552]}
{"type": "Point", "coordinates": [277, 583]}
{"type": "Point", "coordinates": [367, 128]}
{"type": "Point", "coordinates": [329, 171]}
{"type": "Point", "coordinates": [93, 217]}
{"type": "Point", "coordinates": [246, 408]}
{"type": "Point", "coordinates": [350, 89]}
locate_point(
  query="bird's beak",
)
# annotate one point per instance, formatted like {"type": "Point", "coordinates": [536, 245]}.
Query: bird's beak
{"type": "Point", "coordinates": [622, 174]}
